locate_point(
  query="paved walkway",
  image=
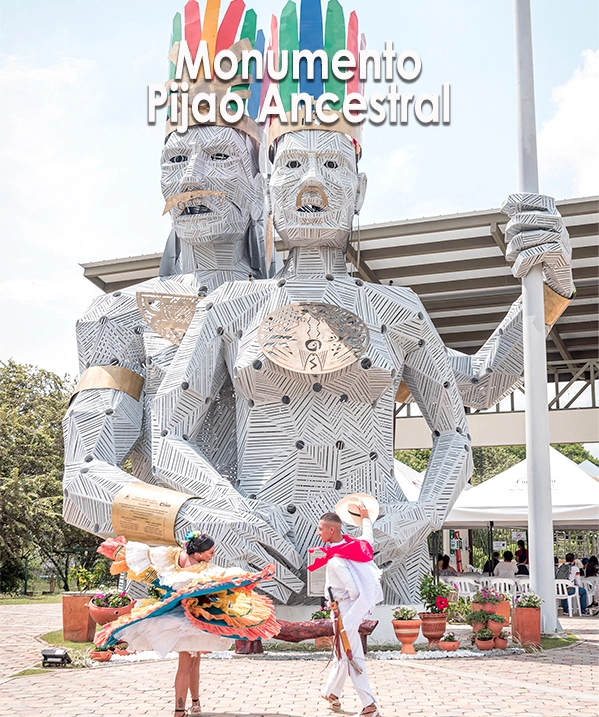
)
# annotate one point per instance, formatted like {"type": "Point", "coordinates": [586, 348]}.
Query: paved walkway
{"type": "Point", "coordinates": [560, 683]}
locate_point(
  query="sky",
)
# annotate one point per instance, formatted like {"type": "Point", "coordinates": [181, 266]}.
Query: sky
{"type": "Point", "coordinates": [80, 170]}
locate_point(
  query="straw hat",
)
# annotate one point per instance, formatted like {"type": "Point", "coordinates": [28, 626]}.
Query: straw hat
{"type": "Point", "coordinates": [347, 508]}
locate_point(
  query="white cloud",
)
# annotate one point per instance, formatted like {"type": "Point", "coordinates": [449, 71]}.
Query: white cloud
{"type": "Point", "coordinates": [569, 142]}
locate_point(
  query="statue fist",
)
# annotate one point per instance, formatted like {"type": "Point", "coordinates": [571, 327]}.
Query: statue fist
{"type": "Point", "coordinates": [536, 235]}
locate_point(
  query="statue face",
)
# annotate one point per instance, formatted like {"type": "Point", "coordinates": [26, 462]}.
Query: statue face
{"type": "Point", "coordinates": [315, 188]}
{"type": "Point", "coordinates": [218, 159]}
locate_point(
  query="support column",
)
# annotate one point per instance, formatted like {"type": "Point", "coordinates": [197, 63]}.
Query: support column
{"type": "Point", "coordinates": [540, 520]}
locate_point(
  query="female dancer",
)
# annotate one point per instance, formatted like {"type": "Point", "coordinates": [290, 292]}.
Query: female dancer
{"type": "Point", "coordinates": [202, 606]}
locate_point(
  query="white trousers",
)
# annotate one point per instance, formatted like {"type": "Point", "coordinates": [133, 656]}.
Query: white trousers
{"type": "Point", "coordinates": [341, 668]}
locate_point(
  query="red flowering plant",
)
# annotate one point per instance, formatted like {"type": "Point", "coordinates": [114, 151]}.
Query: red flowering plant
{"type": "Point", "coordinates": [114, 600]}
{"type": "Point", "coordinates": [434, 595]}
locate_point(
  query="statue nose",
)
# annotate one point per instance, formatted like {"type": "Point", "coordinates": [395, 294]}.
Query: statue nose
{"type": "Point", "coordinates": [195, 174]}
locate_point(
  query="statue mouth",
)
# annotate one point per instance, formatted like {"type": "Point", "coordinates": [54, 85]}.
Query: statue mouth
{"type": "Point", "coordinates": [196, 209]}
{"type": "Point", "coordinates": [311, 200]}
{"type": "Point", "coordinates": [310, 209]}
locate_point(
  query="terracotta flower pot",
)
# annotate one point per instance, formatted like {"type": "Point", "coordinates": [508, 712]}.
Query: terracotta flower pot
{"type": "Point", "coordinates": [449, 646]}
{"type": "Point", "coordinates": [484, 644]}
{"type": "Point", "coordinates": [119, 651]}
{"type": "Point", "coordinates": [486, 606]}
{"type": "Point", "coordinates": [526, 626]}
{"type": "Point", "coordinates": [495, 627]}
{"type": "Point", "coordinates": [323, 643]}
{"type": "Point", "coordinates": [504, 608]}
{"type": "Point", "coordinates": [103, 615]}
{"type": "Point", "coordinates": [102, 656]}
{"type": "Point", "coordinates": [77, 624]}
{"type": "Point", "coordinates": [478, 626]}
{"type": "Point", "coordinates": [407, 631]}
{"type": "Point", "coordinates": [500, 643]}
{"type": "Point", "coordinates": [433, 626]}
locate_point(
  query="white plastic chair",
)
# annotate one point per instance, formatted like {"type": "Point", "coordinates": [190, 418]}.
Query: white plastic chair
{"type": "Point", "coordinates": [561, 593]}
{"type": "Point", "coordinates": [484, 581]}
{"type": "Point", "coordinates": [466, 588]}
{"type": "Point", "coordinates": [507, 586]}
{"type": "Point", "coordinates": [591, 586]}
{"type": "Point", "coordinates": [522, 586]}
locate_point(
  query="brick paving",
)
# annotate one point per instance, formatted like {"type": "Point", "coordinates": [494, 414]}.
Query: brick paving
{"type": "Point", "coordinates": [560, 683]}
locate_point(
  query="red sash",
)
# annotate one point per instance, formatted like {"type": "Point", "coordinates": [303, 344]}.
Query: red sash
{"type": "Point", "coordinates": [352, 549]}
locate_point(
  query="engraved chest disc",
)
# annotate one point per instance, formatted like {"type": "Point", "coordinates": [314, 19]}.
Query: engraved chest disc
{"type": "Point", "coordinates": [313, 338]}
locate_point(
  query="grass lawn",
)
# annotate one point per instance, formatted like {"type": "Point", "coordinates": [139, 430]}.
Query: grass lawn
{"type": "Point", "coordinates": [550, 643]}
{"type": "Point", "coordinates": [24, 600]}
{"type": "Point", "coordinates": [56, 639]}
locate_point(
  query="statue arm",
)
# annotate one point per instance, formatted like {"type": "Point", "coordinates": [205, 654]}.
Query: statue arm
{"type": "Point", "coordinates": [103, 420]}
{"type": "Point", "coordinates": [429, 376]}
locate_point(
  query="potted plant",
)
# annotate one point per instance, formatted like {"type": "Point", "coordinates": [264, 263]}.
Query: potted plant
{"type": "Point", "coordinates": [526, 620]}
{"type": "Point", "coordinates": [406, 627]}
{"type": "Point", "coordinates": [484, 639]}
{"type": "Point", "coordinates": [495, 623]}
{"type": "Point", "coordinates": [121, 648]}
{"type": "Point", "coordinates": [434, 596]}
{"type": "Point", "coordinates": [486, 599]}
{"type": "Point", "coordinates": [106, 607]}
{"type": "Point", "coordinates": [326, 642]}
{"type": "Point", "coordinates": [101, 654]}
{"type": "Point", "coordinates": [500, 640]}
{"type": "Point", "coordinates": [478, 619]}
{"type": "Point", "coordinates": [449, 642]}
{"type": "Point", "coordinates": [77, 623]}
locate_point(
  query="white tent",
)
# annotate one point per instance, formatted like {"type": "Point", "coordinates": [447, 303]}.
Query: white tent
{"type": "Point", "coordinates": [504, 499]}
{"type": "Point", "coordinates": [410, 481]}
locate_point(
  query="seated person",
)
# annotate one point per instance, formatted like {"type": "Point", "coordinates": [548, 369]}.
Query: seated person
{"type": "Point", "coordinates": [445, 568]}
{"type": "Point", "coordinates": [522, 554]}
{"type": "Point", "coordinates": [571, 572]}
{"type": "Point", "coordinates": [491, 564]}
{"type": "Point", "coordinates": [592, 567]}
{"type": "Point", "coordinates": [507, 568]}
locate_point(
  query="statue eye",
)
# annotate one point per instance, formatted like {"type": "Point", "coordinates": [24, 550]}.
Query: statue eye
{"type": "Point", "coordinates": [294, 164]}
{"type": "Point", "coordinates": [178, 159]}
{"type": "Point", "coordinates": [329, 164]}
{"type": "Point", "coordinates": [219, 157]}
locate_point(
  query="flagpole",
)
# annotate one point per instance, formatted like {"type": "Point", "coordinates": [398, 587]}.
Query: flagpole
{"type": "Point", "coordinates": [540, 516]}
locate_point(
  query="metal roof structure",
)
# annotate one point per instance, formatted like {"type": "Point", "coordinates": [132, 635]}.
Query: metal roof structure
{"type": "Point", "coordinates": [456, 264]}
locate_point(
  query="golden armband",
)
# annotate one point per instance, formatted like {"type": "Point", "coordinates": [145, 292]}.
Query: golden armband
{"type": "Point", "coordinates": [555, 305]}
{"type": "Point", "coordinates": [115, 377]}
{"type": "Point", "coordinates": [147, 513]}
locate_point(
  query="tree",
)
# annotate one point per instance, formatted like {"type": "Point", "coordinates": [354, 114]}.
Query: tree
{"type": "Point", "coordinates": [32, 404]}
{"type": "Point", "coordinates": [489, 461]}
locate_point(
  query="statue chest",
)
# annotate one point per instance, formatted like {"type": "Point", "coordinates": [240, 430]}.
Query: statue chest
{"type": "Point", "coordinates": [305, 348]}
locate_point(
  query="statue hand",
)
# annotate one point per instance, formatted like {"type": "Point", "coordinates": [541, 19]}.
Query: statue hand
{"type": "Point", "coordinates": [536, 235]}
{"type": "Point", "coordinates": [245, 540]}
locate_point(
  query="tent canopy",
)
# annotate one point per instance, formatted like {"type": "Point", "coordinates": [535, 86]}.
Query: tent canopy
{"type": "Point", "coordinates": [504, 499]}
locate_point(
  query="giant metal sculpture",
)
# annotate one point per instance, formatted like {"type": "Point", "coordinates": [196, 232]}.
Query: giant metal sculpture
{"type": "Point", "coordinates": [313, 360]}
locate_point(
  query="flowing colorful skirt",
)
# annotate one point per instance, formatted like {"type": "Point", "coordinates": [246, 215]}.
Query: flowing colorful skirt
{"type": "Point", "coordinates": [202, 617]}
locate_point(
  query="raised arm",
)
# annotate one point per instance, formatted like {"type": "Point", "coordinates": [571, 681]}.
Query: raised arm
{"type": "Point", "coordinates": [535, 235]}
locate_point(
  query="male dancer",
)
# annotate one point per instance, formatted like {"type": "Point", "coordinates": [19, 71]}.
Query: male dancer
{"type": "Point", "coordinates": [354, 581]}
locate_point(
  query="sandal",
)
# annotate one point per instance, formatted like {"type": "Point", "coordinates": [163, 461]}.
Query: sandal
{"type": "Point", "coordinates": [334, 702]}
{"type": "Point", "coordinates": [373, 711]}
{"type": "Point", "coordinates": [195, 708]}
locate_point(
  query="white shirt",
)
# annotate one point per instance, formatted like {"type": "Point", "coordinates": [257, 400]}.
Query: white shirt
{"type": "Point", "coordinates": [505, 570]}
{"type": "Point", "coordinates": [358, 583]}
{"type": "Point", "coordinates": [338, 574]}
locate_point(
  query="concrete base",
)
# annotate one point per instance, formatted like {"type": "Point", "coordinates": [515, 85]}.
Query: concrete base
{"type": "Point", "coordinates": [382, 635]}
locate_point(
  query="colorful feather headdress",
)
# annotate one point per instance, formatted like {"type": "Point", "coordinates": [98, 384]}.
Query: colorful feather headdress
{"type": "Point", "coordinates": [309, 34]}
{"type": "Point", "coordinates": [220, 37]}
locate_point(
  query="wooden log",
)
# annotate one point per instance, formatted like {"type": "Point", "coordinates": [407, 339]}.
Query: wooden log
{"type": "Point", "coordinates": [311, 629]}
